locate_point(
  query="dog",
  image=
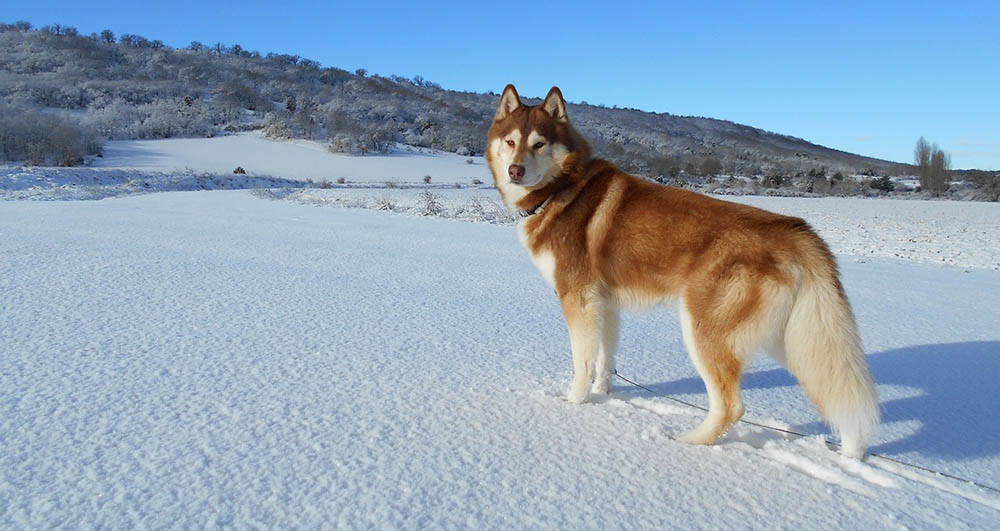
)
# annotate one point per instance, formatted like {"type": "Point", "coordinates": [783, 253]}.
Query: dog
{"type": "Point", "coordinates": [744, 279]}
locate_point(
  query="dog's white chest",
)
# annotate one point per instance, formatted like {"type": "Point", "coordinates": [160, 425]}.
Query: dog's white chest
{"type": "Point", "coordinates": [544, 261]}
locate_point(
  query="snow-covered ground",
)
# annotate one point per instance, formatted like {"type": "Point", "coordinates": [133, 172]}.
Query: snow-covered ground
{"type": "Point", "coordinates": [962, 234]}
{"type": "Point", "coordinates": [218, 359]}
{"type": "Point", "coordinates": [289, 159]}
{"type": "Point", "coordinates": [132, 167]}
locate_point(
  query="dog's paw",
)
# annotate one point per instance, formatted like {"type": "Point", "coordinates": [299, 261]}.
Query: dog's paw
{"type": "Point", "coordinates": [699, 435]}
{"type": "Point", "coordinates": [601, 387]}
{"type": "Point", "coordinates": [578, 394]}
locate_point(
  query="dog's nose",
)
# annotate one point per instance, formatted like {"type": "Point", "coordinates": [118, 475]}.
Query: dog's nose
{"type": "Point", "coordinates": [515, 172]}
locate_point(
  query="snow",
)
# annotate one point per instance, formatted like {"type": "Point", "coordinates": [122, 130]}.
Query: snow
{"type": "Point", "coordinates": [59, 184]}
{"type": "Point", "coordinates": [289, 159]}
{"type": "Point", "coordinates": [219, 359]}
{"type": "Point", "coordinates": [962, 234]}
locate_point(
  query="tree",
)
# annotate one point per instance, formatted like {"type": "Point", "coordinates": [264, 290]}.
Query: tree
{"type": "Point", "coordinates": [136, 41]}
{"type": "Point", "coordinates": [933, 165]}
{"type": "Point", "coordinates": [711, 166]}
{"type": "Point", "coordinates": [108, 36]}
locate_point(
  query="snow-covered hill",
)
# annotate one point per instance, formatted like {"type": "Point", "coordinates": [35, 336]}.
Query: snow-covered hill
{"type": "Point", "coordinates": [212, 358]}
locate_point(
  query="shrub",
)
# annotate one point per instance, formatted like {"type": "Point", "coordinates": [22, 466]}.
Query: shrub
{"type": "Point", "coordinates": [385, 203]}
{"type": "Point", "coordinates": [39, 138]}
{"type": "Point", "coordinates": [773, 179]}
{"type": "Point", "coordinates": [883, 184]}
{"type": "Point", "coordinates": [987, 185]}
{"type": "Point", "coordinates": [431, 205]}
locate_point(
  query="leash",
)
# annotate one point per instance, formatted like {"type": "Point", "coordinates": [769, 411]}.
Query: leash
{"type": "Point", "coordinates": [827, 442]}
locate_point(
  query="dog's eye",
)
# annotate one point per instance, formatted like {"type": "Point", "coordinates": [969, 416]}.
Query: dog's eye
{"type": "Point", "coordinates": [538, 145]}
{"type": "Point", "coordinates": [510, 143]}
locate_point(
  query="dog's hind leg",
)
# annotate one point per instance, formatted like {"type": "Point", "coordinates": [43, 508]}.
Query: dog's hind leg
{"type": "Point", "coordinates": [605, 365]}
{"type": "Point", "coordinates": [583, 316]}
{"type": "Point", "coordinates": [720, 369]}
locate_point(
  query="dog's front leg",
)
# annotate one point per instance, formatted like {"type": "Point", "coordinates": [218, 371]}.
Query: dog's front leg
{"type": "Point", "coordinates": [605, 365]}
{"type": "Point", "coordinates": [584, 337]}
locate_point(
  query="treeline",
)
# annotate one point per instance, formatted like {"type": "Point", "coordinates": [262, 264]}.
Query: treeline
{"type": "Point", "coordinates": [105, 86]}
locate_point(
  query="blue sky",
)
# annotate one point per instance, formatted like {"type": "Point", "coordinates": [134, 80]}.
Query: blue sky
{"type": "Point", "coordinates": [865, 77]}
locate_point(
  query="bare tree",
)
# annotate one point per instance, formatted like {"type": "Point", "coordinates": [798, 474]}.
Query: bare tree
{"type": "Point", "coordinates": [922, 156]}
{"type": "Point", "coordinates": [940, 164]}
{"type": "Point", "coordinates": [933, 165]}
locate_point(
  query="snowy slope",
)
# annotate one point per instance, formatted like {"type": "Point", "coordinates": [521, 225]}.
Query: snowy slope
{"type": "Point", "coordinates": [201, 359]}
{"type": "Point", "coordinates": [289, 159]}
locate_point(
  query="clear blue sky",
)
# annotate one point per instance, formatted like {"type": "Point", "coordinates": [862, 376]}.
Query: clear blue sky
{"type": "Point", "coordinates": [866, 77]}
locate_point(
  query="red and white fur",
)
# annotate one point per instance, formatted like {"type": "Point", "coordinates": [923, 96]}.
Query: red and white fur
{"type": "Point", "coordinates": [745, 279]}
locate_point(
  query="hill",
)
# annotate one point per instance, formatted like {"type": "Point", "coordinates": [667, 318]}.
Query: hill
{"type": "Point", "coordinates": [62, 93]}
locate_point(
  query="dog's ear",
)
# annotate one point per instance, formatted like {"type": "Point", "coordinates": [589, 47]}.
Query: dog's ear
{"type": "Point", "coordinates": [509, 102]}
{"type": "Point", "coordinates": [555, 105]}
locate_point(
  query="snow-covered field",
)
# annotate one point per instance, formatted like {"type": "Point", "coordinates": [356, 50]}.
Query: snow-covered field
{"type": "Point", "coordinates": [290, 159]}
{"type": "Point", "coordinates": [963, 234]}
{"type": "Point", "coordinates": [220, 359]}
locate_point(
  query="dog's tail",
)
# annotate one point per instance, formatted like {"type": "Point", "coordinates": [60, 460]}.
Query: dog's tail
{"type": "Point", "coordinates": [823, 350]}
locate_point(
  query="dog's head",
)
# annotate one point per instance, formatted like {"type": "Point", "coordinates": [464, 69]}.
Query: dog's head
{"type": "Point", "coordinates": [530, 146]}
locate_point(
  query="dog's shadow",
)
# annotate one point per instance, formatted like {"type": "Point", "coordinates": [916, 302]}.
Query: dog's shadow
{"type": "Point", "coordinates": [953, 407]}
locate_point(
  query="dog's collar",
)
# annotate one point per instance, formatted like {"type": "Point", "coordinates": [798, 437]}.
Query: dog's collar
{"type": "Point", "coordinates": [537, 210]}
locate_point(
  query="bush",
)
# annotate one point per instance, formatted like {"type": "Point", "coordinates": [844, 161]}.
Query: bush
{"type": "Point", "coordinates": [276, 127]}
{"type": "Point", "coordinates": [432, 206]}
{"type": "Point", "coordinates": [883, 184]}
{"type": "Point", "coordinates": [44, 139]}
{"type": "Point", "coordinates": [773, 179]}
{"type": "Point", "coordinates": [987, 185]}
{"type": "Point", "coordinates": [385, 203]}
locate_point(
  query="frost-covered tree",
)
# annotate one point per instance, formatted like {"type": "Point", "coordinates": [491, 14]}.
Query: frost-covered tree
{"type": "Point", "coordinates": [31, 136]}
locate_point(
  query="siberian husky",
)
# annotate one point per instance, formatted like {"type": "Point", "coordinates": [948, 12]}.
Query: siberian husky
{"type": "Point", "coordinates": [744, 278]}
